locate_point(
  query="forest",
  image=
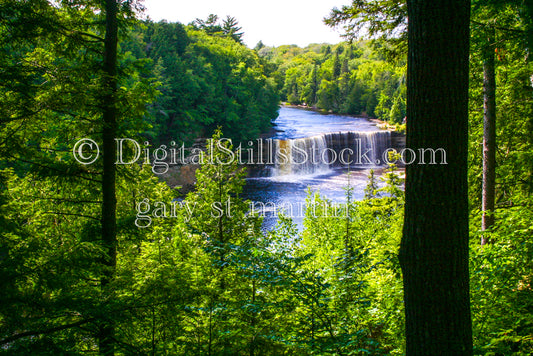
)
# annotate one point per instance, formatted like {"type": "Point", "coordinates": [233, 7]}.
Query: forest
{"type": "Point", "coordinates": [346, 78]}
{"type": "Point", "coordinates": [436, 261]}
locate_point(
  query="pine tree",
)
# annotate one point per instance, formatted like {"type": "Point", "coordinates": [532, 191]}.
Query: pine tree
{"type": "Point", "coordinates": [336, 66]}
{"type": "Point", "coordinates": [371, 187]}
{"type": "Point", "coordinates": [231, 29]}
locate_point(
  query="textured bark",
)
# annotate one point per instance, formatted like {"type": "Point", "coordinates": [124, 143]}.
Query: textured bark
{"type": "Point", "coordinates": [489, 136]}
{"type": "Point", "coordinates": [109, 200]}
{"type": "Point", "coordinates": [434, 247]}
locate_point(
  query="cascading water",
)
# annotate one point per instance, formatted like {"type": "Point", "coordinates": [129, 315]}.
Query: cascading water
{"type": "Point", "coordinates": [275, 185]}
{"type": "Point", "coordinates": [318, 154]}
{"type": "Point", "coordinates": [358, 148]}
{"type": "Point", "coordinates": [302, 156]}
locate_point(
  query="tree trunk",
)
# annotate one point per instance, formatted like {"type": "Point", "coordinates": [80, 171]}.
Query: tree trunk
{"type": "Point", "coordinates": [489, 136]}
{"type": "Point", "coordinates": [109, 200]}
{"type": "Point", "coordinates": [434, 246]}
{"type": "Point", "coordinates": [529, 27]}
{"type": "Point", "coordinates": [253, 322]}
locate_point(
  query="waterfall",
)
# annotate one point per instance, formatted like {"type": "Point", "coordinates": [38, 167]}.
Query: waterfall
{"type": "Point", "coordinates": [367, 147]}
{"type": "Point", "coordinates": [318, 154]}
{"type": "Point", "coordinates": [300, 156]}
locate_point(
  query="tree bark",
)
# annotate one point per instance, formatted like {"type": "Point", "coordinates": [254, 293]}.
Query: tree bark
{"type": "Point", "coordinates": [434, 246]}
{"type": "Point", "coordinates": [489, 137]}
{"type": "Point", "coordinates": [109, 200]}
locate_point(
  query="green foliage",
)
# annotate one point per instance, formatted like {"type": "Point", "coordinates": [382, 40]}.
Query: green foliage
{"type": "Point", "coordinates": [206, 80]}
{"type": "Point", "coordinates": [352, 80]}
{"type": "Point", "coordinates": [502, 295]}
{"type": "Point", "coordinates": [201, 278]}
{"type": "Point", "coordinates": [351, 258]}
{"type": "Point", "coordinates": [500, 279]}
{"type": "Point", "coordinates": [385, 20]}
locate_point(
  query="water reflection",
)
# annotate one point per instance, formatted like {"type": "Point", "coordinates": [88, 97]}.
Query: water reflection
{"type": "Point", "coordinates": [278, 194]}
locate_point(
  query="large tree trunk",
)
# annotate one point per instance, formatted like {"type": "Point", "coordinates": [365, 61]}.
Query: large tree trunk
{"type": "Point", "coordinates": [109, 200]}
{"type": "Point", "coordinates": [489, 136]}
{"type": "Point", "coordinates": [434, 247]}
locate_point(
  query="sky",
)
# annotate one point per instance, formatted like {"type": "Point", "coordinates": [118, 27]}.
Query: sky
{"type": "Point", "coordinates": [275, 22]}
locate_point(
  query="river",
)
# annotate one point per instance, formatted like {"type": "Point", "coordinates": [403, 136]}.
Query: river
{"type": "Point", "coordinates": [284, 185]}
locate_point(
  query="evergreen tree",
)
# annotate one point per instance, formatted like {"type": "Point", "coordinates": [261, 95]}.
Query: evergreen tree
{"type": "Point", "coordinates": [259, 46]}
{"type": "Point", "coordinates": [231, 29]}
{"type": "Point", "coordinates": [387, 19]}
{"type": "Point", "coordinates": [371, 187]}
{"type": "Point", "coordinates": [336, 66]}
{"type": "Point", "coordinates": [210, 25]}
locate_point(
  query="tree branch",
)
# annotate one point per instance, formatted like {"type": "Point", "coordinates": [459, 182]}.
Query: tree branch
{"type": "Point", "coordinates": [43, 332]}
{"type": "Point", "coordinates": [497, 27]}
{"type": "Point", "coordinates": [71, 214]}
{"type": "Point", "coordinates": [65, 200]}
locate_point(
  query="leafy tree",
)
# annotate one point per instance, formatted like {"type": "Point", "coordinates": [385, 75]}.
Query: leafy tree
{"type": "Point", "coordinates": [494, 22]}
{"type": "Point", "coordinates": [196, 275]}
{"type": "Point", "coordinates": [68, 215]}
{"type": "Point", "coordinates": [340, 84]}
{"type": "Point", "coordinates": [206, 81]}
{"type": "Point", "coordinates": [222, 220]}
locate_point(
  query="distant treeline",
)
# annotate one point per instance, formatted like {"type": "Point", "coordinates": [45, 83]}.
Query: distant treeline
{"type": "Point", "coordinates": [343, 78]}
{"type": "Point", "coordinates": [206, 78]}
